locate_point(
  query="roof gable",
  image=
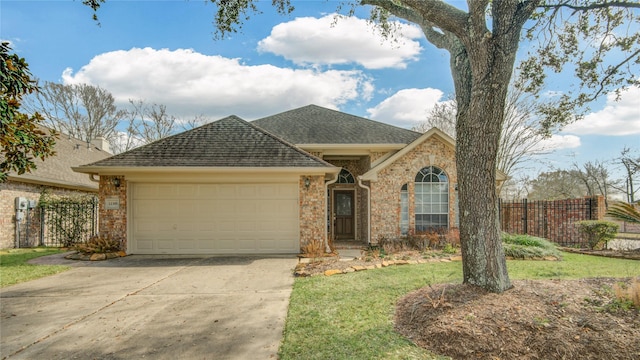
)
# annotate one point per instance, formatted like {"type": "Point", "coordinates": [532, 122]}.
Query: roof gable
{"type": "Point", "coordinates": [372, 174]}
{"type": "Point", "coordinates": [314, 124]}
{"type": "Point", "coordinates": [56, 170]}
{"type": "Point", "coordinates": [229, 142]}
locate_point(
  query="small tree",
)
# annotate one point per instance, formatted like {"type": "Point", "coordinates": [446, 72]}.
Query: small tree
{"type": "Point", "coordinates": [21, 138]}
{"type": "Point", "coordinates": [631, 165]}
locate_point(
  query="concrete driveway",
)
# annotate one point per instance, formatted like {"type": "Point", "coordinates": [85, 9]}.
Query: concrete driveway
{"type": "Point", "coordinates": [156, 307]}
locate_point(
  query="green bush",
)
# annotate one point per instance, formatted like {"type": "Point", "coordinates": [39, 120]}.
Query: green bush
{"type": "Point", "coordinates": [528, 247]}
{"type": "Point", "coordinates": [598, 232]}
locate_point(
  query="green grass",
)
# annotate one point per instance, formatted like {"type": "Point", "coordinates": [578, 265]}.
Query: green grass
{"type": "Point", "coordinates": [14, 268]}
{"type": "Point", "coordinates": [350, 316]}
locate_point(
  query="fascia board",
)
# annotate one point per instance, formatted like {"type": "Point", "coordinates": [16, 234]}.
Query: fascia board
{"type": "Point", "coordinates": [123, 170]}
{"type": "Point", "coordinates": [53, 183]}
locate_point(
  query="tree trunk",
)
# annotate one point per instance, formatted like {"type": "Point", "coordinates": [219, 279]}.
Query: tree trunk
{"type": "Point", "coordinates": [484, 262]}
{"type": "Point", "coordinates": [481, 64]}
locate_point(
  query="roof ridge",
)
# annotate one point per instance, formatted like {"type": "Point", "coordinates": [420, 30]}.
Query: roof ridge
{"type": "Point", "coordinates": [342, 113]}
{"type": "Point", "coordinates": [283, 141]}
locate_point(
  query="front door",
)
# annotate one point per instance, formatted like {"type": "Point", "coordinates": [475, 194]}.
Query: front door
{"type": "Point", "coordinates": [344, 215]}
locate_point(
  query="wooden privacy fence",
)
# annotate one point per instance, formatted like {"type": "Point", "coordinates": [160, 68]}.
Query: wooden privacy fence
{"type": "Point", "coordinates": [554, 220]}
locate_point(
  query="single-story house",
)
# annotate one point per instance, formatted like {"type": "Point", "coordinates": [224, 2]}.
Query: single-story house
{"type": "Point", "coordinates": [276, 184]}
{"type": "Point", "coordinates": [54, 175]}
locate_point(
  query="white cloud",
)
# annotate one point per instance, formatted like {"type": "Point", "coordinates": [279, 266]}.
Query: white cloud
{"type": "Point", "coordinates": [558, 142]}
{"type": "Point", "coordinates": [618, 118]}
{"type": "Point", "coordinates": [406, 108]}
{"type": "Point", "coordinates": [309, 40]}
{"type": "Point", "coordinates": [190, 83]}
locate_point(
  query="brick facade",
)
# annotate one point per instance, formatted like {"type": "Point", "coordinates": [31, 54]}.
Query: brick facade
{"type": "Point", "coordinates": [10, 190]}
{"type": "Point", "coordinates": [312, 209]}
{"type": "Point", "coordinates": [385, 192]}
{"type": "Point", "coordinates": [113, 223]}
{"type": "Point", "coordinates": [315, 203]}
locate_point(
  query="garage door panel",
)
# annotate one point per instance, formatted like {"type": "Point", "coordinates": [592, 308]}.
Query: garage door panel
{"type": "Point", "coordinates": [186, 244]}
{"type": "Point", "coordinates": [166, 244]}
{"type": "Point", "coordinates": [187, 191]}
{"type": "Point", "coordinates": [215, 218]}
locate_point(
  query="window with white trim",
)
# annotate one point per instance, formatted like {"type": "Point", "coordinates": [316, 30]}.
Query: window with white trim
{"type": "Point", "coordinates": [404, 210]}
{"type": "Point", "coordinates": [345, 177]}
{"type": "Point", "coordinates": [432, 199]}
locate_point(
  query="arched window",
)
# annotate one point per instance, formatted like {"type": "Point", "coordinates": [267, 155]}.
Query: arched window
{"type": "Point", "coordinates": [432, 199]}
{"type": "Point", "coordinates": [345, 177]}
{"type": "Point", "coordinates": [404, 210]}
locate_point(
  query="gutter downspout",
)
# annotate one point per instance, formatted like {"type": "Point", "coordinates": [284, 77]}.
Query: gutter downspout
{"type": "Point", "coordinates": [326, 209]}
{"type": "Point", "coordinates": [368, 208]}
{"type": "Point", "coordinates": [91, 177]}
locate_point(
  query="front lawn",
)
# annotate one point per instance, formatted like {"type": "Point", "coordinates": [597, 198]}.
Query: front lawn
{"type": "Point", "coordinates": [14, 268]}
{"type": "Point", "coordinates": [350, 316]}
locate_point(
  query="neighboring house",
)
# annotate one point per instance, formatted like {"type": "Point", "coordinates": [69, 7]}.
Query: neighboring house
{"type": "Point", "coordinates": [54, 175]}
{"type": "Point", "coordinates": [277, 184]}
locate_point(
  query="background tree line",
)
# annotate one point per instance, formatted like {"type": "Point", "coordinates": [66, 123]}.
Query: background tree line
{"type": "Point", "coordinates": [587, 179]}
{"type": "Point", "coordinates": [87, 112]}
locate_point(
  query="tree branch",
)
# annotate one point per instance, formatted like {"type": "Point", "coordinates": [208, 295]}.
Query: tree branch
{"type": "Point", "coordinates": [435, 12]}
{"type": "Point", "coordinates": [622, 4]}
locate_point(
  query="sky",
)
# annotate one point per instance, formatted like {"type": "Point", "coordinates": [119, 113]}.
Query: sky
{"type": "Point", "coordinates": [164, 52]}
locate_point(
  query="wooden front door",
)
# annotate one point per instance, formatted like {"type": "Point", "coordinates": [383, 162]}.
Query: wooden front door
{"type": "Point", "coordinates": [344, 214]}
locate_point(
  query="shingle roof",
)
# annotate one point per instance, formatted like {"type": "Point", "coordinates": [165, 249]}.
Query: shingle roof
{"type": "Point", "coordinates": [229, 142]}
{"type": "Point", "coordinates": [56, 170]}
{"type": "Point", "coordinates": [314, 124]}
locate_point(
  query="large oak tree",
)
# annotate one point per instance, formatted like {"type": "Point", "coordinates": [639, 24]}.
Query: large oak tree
{"type": "Point", "coordinates": [482, 40]}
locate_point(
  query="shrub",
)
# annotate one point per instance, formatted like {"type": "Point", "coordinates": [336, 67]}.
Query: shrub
{"type": "Point", "coordinates": [98, 245]}
{"type": "Point", "coordinates": [392, 245]}
{"type": "Point", "coordinates": [598, 232]}
{"type": "Point", "coordinates": [431, 239]}
{"type": "Point", "coordinates": [629, 293]}
{"type": "Point", "coordinates": [527, 247]}
{"type": "Point", "coordinates": [452, 237]}
{"type": "Point", "coordinates": [313, 249]}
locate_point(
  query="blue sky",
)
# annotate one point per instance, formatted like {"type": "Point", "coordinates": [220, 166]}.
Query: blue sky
{"type": "Point", "coordinates": [164, 52]}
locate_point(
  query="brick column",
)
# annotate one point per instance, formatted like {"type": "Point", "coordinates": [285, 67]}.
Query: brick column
{"type": "Point", "coordinates": [312, 210]}
{"type": "Point", "coordinates": [113, 222]}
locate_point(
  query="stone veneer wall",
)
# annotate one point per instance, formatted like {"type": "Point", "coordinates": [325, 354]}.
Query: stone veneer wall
{"type": "Point", "coordinates": [113, 223]}
{"type": "Point", "coordinates": [312, 210]}
{"type": "Point", "coordinates": [13, 189]}
{"type": "Point", "coordinates": [385, 193]}
{"type": "Point", "coordinates": [377, 155]}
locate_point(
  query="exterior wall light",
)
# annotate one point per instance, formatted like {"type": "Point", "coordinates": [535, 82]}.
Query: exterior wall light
{"type": "Point", "coordinates": [307, 182]}
{"type": "Point", "coordinates": [116, 182]}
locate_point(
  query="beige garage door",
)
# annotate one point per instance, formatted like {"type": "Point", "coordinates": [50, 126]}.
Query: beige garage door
{"type": "Point", "coordinates": [214, 219]}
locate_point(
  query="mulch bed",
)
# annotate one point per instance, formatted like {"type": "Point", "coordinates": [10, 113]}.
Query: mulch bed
{"type": "Point", "coordinates": [536, 319]}
{"type": "Point", "coordinates": [542, 319]}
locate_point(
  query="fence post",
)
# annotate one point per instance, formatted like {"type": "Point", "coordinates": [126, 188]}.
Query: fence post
{"type": "Point", "coordinates": [524, 216]}
{"type": "Point", "coordinates": [42, 227]}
